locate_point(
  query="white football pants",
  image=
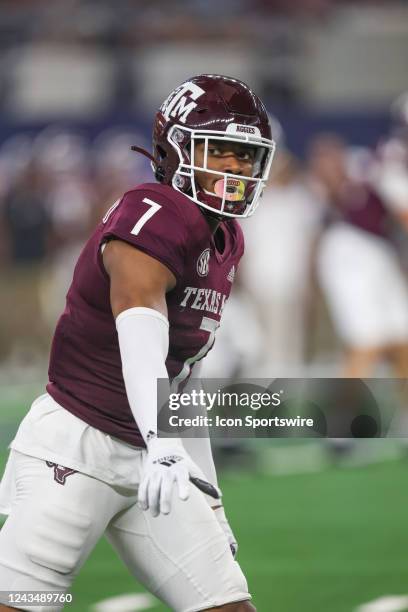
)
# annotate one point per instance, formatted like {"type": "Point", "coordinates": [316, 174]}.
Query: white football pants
{"type": "Point", "coordinates": [183, 558]}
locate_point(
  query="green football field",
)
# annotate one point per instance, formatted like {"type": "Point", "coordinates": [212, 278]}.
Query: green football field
{"type": "Point", "coordinates": [326, 541]}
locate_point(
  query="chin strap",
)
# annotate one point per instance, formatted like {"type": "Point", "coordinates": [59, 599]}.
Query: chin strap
{"type": "Point", "coordinates": [158, 170]}
{"type": "Point", "coordinates": [213, 200]}
{"type": "Point", "coordinates": [145, 153]}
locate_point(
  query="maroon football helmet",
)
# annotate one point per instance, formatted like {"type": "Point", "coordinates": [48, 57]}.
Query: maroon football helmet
{"type": "Point", "coordinates": [205, 108]}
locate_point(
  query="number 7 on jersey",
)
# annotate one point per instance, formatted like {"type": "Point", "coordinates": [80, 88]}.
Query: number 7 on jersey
{"type": "Point", "coordinates": [154, 208]}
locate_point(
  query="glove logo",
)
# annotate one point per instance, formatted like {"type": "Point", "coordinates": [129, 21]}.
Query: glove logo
{"type": "Point", "coordinates": [168, 461]}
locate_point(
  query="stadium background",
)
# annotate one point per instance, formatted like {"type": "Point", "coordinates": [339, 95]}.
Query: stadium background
{"type": "Point", "coordinates": [80, 82]}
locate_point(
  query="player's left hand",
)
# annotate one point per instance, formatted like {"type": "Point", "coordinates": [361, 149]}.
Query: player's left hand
{"type": "Point", "coordinates": [222, 519]}
{"type": "Point", "coordinates": [167, 465]}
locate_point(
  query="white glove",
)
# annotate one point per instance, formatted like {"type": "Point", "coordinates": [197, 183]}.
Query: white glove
{"type": "Point", "coordinates": [167, 464]}
{"type": "Point", "coordinates": [222, 519]}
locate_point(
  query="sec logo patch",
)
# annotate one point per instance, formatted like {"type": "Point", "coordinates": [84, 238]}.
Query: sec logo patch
{"type": "Point", "coordinates": [203, 263]}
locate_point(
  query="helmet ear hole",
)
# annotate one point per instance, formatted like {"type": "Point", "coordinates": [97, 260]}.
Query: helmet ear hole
{"type": "Point", "coordinates": [161, 152]}
{"type": "Point", "coordinates": [159, 174]}
{"type": "Point", "coordinates": [160, 171]}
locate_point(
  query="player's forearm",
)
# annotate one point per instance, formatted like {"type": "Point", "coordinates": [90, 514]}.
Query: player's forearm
{"type": "Point", "coordinates": [144, 341]}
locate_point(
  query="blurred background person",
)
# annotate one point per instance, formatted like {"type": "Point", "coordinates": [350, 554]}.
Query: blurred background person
{"type": "Point", "coordinates": [389, 170]}
{"type": "Point", "coordinates": [63, 157]}
{"type": "Point", "coordinates": [277, 271]}
{"type": "Point", "coordinates": [358, 264]}
{"type": "Point", "coordinates": [25, 230]}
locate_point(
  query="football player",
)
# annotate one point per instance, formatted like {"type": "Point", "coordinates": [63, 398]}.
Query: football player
{"type": "Point", "coordinates": [390, 170]}
{"type": "Point", "coordinates": [358, 265]}
{"type": "Point", "coordinates": [145, 301]}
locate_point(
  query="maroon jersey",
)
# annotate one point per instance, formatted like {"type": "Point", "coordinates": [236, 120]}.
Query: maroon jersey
{"type": "Point", "coordinates": [362, 207]}
{"type": "Point", "coordinates": [366, 210]}
{"type": "Point", "coordinates": [85, 369]}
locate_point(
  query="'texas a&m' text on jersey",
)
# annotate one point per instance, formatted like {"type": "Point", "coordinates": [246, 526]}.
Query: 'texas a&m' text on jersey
{"type": "Point", "coordinates": [85, 371]}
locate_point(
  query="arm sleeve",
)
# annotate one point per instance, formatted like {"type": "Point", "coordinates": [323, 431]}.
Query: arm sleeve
{"type": "Point", "coordinates": [143, 341]}
{"type": "Point", "coordinates": [152, 223]}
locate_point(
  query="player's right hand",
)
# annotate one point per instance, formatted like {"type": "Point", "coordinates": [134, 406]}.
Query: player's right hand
{"type": "Point", "coordinates": [167, 465]}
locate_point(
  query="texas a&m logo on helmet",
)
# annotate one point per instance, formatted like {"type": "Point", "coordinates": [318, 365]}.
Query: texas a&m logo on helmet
{"type": "Point", "coordinates": [181, 102]}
